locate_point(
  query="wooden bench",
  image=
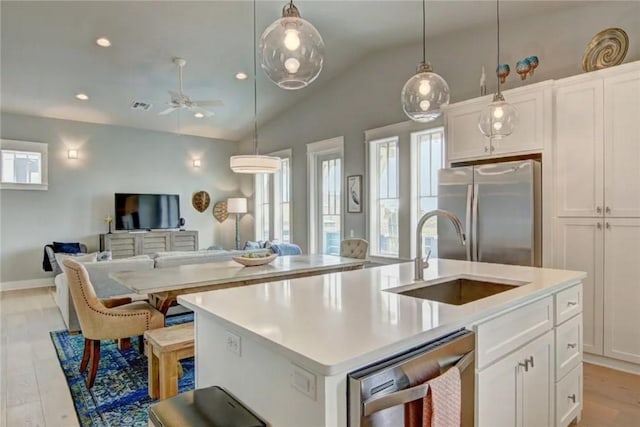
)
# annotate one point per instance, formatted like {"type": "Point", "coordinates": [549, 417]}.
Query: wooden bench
{"type": "Point", "coordinates": [165, 347]}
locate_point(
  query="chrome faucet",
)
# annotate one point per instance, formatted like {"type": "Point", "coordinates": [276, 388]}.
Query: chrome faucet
{"type": "Point", "coordinates": [420, 262]}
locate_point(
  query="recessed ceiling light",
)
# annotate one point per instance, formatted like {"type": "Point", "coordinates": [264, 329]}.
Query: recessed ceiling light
{"type": "Point", "coordinates": [241, 76]}
{"type": "Point", "coordinates": [198, 115]}
{"type": "Point", "coordinates": [82, 96]}
{"type": "Point", "coordinates": [103, 41]}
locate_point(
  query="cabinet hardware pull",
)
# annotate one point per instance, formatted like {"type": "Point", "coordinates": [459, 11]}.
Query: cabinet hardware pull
{"type": "Point", "coordinates": [572, 397]}
{"type": "Point", "coordinates": [486, 149]}
{"type": "Point", "coordinates": [599, 226]}
{"type": "Point", "coordinates": [571, 303]}
{"type": "Point", "coordinates": [491, 148]}
{"type": "Point", "coordinates": [530, 360]}
{"type": "Point", "coordinates": [572, 345]}
{"type": "Point", "coordinates": [525, 365]}
{"type": "Point", "coordinates": [607, 225]}
{"type": "Point", "coordinates": [607, 210]}
{"type": "Point", "coordinates": [598, 209]}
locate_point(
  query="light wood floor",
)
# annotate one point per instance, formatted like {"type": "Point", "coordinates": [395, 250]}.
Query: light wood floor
{"type": "Point", "coordinates": [34, 389]}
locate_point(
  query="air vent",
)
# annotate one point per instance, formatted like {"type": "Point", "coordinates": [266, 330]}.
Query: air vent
{"type": "Point", "coordinates": [139, 105]}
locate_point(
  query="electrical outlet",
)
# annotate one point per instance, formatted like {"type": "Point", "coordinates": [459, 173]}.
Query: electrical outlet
{"type": "Point", "coordinates": [232, 343]}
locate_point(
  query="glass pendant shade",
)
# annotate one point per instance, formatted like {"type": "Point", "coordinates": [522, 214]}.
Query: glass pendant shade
{"type": "Point", "coordinates": [498, 119]}
{"type": "Point", "coordinates": [291, 50]}
{"type": "Point", "coordinates": [254, 163]}
{"type": "Point", "coordinates": [424, 95]}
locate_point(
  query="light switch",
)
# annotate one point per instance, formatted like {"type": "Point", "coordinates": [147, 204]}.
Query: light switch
{"type": "Point", "coordinates": [303, 381]}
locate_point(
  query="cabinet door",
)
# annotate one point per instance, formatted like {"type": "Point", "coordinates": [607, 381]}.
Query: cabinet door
{"type": "Point", "coordinates": [500, 393]}
{"type": "Point", "coordinates": [580, 247]}
{"type": "Point", "coordinates": [529, 136]}
{"type": "Point", "coordinates": [538, 382]}
{"type": "Point", "coordinates": [622, 289]}
{"type": "Point", "coordinates": [156, 241]}
{"type": "Point", "coordinates": [464, 140]}
{"type": "Point", "coordinates": [579, 150]}
{"type": "Point", "coordinates": [622, 145]}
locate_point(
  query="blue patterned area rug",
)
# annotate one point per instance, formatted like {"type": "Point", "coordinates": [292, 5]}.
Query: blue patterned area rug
{"type": "Point", "coordinates": [120, 395]}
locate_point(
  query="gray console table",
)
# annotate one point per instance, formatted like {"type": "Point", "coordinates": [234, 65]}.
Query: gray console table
{"type": "Point", "coordinates": [123, 245]}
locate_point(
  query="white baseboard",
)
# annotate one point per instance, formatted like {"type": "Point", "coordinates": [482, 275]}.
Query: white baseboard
{"type": "Point", "coordinates": [26, 284]}
{"type": "Point", "coordinates": [618, 365]}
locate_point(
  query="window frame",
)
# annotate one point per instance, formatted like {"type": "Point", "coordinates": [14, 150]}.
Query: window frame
{"type": "Point", "coordinates": [28, 147]}
{"type": "Point", "coordinates": [277, 190]}
{"type": "Point", "coordinates": [259, 203]}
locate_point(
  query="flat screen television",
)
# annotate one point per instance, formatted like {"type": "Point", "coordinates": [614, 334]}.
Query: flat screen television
{"type": "Point", "coordinates": [147, 211]}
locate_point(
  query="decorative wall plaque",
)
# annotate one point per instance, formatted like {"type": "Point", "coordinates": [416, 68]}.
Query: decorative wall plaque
{"type": "Point", "coordinates": [606, 49]}
{"type": "Point", "coordinates": [200, 201]}
{"type": "Point", "coordinates": [220, 211]}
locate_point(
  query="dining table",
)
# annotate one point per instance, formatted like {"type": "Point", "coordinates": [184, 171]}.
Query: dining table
{"type": "Point", "coordinates": [163, 285]}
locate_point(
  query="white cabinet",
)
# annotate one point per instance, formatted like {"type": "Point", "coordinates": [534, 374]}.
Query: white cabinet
{"type": "Point", "coordinates": [580, 247]}
{"type": "Point", "coordinates": [622, 289]}
{"type": "Point", "coordinates": [465, 142]}
{"type": "Point", "coordinates": [518, 390]}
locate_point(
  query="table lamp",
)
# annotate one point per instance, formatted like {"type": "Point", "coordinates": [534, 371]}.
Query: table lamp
{"type": "Point", "coordinates": [237, 205]}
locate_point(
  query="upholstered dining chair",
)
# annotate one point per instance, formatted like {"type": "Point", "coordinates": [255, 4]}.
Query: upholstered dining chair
{"type": "Point", "coordinates": [107, 319]}
{"type": "Point", "coordinates": [354, 248]}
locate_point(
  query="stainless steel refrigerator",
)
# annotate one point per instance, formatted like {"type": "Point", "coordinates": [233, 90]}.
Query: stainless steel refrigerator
{"type": "Point", "coordinates": [500, 207]}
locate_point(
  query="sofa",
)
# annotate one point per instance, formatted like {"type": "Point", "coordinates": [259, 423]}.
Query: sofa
{"type": "Point", "coordinates": [106, 287]}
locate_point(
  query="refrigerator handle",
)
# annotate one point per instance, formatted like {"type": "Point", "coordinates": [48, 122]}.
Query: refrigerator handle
{"type": "Point", "coordinates": [467, 225]}
{"type": "Point", "coordinates": [474, 226]}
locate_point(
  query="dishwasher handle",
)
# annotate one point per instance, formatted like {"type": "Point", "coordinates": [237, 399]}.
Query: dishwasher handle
{"type": "Point", "coordinates": [407, 395]}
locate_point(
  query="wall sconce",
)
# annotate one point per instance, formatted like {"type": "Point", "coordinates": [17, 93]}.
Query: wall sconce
{"type": "Point", "coordinates": [72, 154]}
{"type": "Point", "coordinates": [196, 163]}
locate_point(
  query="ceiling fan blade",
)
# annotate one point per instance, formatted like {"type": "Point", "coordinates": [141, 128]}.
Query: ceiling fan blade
{"type": "Point", "coordinates": [167, 111]}
{"type": "Point", "coordinates": [209, 103]}
{"type": "Point", "coordinates": [197, 109]}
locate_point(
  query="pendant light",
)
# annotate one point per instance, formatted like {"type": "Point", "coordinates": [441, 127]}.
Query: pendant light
{"type": "Point", "coordinates": [254, 163]}
{"type": "Point", "coordinates": [426, 93]}
{"type": "Point", "coordinates": [499, 119]}
{"type": "Point", "coordinates": [291, 50]}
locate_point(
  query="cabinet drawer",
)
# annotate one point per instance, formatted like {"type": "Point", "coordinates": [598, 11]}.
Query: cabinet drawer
{"type": "Point", "coordinates": [505, 333]}
{"type": "Point", "coordinates": [569, 397]}
{"type": "Point", "coordinates": [568, 346]}
{"type": "Point", "coordinates": [568, 303]}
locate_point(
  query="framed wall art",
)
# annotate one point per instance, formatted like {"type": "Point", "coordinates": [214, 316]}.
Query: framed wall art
{"type": "Point", "coordinates": [354, 194]}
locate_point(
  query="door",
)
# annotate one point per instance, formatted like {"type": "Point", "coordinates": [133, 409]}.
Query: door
{"type": "Point", "coordinates": [622, 145]}
{"type": "Point", "coordinates": [622, 289]}
{"type": "Point", "coordinates": [500, 393]}
{"type": "Point", "coordinates": [581, 248]}
{"type": "Point", "coordinates": [538, 382]}
{"type": "Point", "coordinates": [504, 213]}
{"type": "Point", "coordinates": [579, 149]}
{"type": "Point", "coordinates": [329, 204]}
{"type": "Point", "coordinates": [455, 191]}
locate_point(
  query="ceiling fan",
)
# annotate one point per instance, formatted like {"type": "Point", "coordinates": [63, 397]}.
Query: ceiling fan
{"type": "Point", "coordinates": [181, 101]}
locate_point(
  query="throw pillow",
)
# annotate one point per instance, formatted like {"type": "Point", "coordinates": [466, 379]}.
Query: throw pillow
{"type": "Point", "coordinates": [60, 257]}
{"type": "Point", "coordinates": [251, 245]}
{"type": "Point", "coordinates": [104, 256]}
{"type": "Point", "coordinates": [69, 248]}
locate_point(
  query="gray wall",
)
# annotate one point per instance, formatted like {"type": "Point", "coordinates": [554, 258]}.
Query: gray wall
{"type": "Point", "coordinates": [368, 95]}
{"type": "Point", "coordinates": [112, 159]}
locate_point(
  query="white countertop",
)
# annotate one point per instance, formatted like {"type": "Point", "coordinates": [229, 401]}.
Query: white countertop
{"type": "Point", "coordinates": [338, 322]}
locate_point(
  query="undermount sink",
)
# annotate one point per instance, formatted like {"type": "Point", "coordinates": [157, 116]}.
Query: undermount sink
{"type": "Point", "coordinates": [458, 291]}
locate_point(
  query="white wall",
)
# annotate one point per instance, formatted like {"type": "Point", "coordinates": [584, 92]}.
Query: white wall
{"type": "Point", "coordinates": [112, 159]}
{"type": "Point", "coordinates": [368, 95]}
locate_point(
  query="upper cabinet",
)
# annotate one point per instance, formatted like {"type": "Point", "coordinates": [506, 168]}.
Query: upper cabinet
{"type": "Point", "coordinates": [465, 142]}
{"type": "Point", "coordinates": [597, 144]}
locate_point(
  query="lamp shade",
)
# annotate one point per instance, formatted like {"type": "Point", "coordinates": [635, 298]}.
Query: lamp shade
{"type": "Point", "coordinates": [237, 205]}
{"type": "Point", "coordinates": [254, 164]}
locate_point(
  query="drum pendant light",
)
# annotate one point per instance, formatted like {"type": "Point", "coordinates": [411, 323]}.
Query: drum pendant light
{"type": "Point", "coordinates": [426, 93]}
{"type": "Point", "coordinates": [291, 50]}
{"type": "Point", "coordinates": [255, 163]}
{"type": "Point", "coordinates": [499, 119]}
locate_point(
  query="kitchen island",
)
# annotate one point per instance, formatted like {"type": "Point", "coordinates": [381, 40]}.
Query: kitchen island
{"type": "Point", "coordinates": [285, 348]}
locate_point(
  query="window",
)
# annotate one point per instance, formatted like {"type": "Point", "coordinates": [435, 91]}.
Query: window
{"type": "Point", "coordinates": [385, 198]}
{"type": "Point", "coordinates": [273, 202]}
{"type": "Point", "coordinates": [24, 165]}
{"type": "Point", "coordinates": [262, 206]}
{"type": "Point", "coordinates": [428, 147]}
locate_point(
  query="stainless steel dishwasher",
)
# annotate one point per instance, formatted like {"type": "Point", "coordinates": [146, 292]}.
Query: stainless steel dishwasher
{"type": "Point", "coordinates": [377, 394]}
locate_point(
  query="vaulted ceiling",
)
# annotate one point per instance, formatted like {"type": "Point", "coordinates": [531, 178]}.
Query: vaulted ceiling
{"type": "Point", "coordinates": [48, 54]}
